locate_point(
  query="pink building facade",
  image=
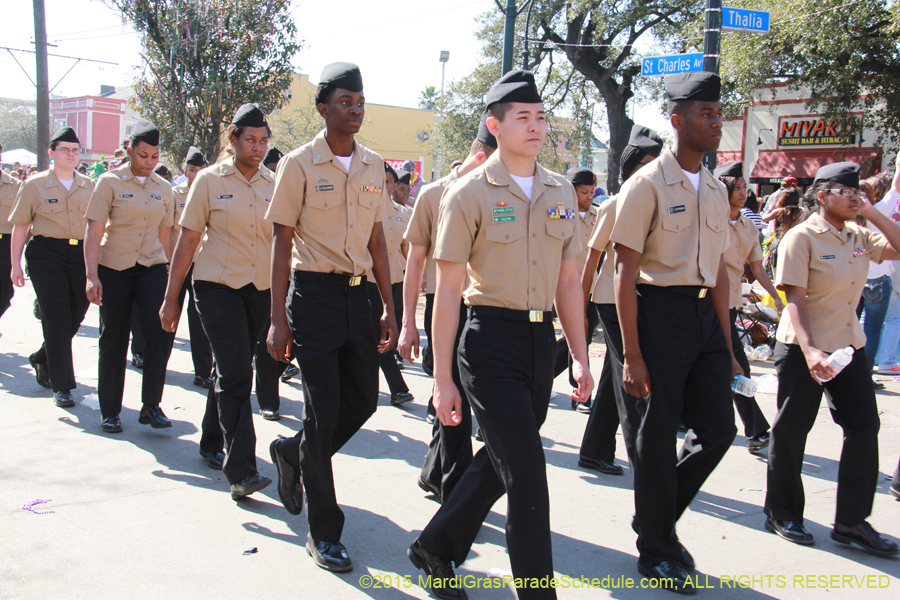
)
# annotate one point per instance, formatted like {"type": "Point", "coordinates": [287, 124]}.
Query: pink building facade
{"type": "Point", "coordinates": [99, 123]}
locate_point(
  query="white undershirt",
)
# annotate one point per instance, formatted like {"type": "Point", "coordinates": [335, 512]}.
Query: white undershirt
{"type": "Point", "coordinates": [67, 182]}
{"type": "Point", "coordinates": [526, 183]}
{"type": "Point", "coordinates": [345, 160]}
{"type": "Point", "coordinates": [582, 213]}
{"type": "Point", "coordinates": [141, 179]}
{"type": "Point", "coordinates": [695, 178]}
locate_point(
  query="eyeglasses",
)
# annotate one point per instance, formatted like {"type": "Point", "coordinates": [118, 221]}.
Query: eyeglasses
{"type": "Point", "coordinates": [68, 151]}
{"type": "Point", "coordinates": [847, 192]}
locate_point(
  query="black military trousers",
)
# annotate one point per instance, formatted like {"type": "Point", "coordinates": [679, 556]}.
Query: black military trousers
{"type": "Point", "coordinates": [450, 450]}
{"type": "Point", "coordinates": [563, 357]}
{"type": "Point", "coordinates": [506, 368]}
{"type": "Point", "coordinates": [6, 285]}
{"type": "Point", "coordinates": [599, 441]}
{"type": "Point", "coordinates": [232, 320]}
{"type": "Point", "coordinates": [754, 420]}
{"type": "Point", "coordinates": [56, 270]}
{"type": "Point", "coordinates": [337, 354]}
{"type": "Point", "coordinates": [851, 398]}
{"type": "Point", "coordinates": [389, 366]}
{"type": "Point", "coordinates": [145, 286]}
{"type": "Point", "coordinates": [201, 353]}
{"type": "Point", "coordinates": [268, 373]}
{"type": "Point", "coordinates": [137, 336]}
{"type": "Point", "coordinates": [687, 356]}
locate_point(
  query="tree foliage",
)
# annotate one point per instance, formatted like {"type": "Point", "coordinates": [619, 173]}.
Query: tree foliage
{"type": "Point", "coordinates": [428, 98]}
{"type": "Point", "coordinates": [18, 125]}
{"type": "Point", "coordinates": [203, 59]}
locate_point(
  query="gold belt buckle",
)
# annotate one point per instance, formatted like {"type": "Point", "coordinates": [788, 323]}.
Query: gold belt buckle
{"type": "Point", "coordinates": [355, 280]}
{"type": "Point", "coordinates": [73, 242]}
{"type": "Point", "coordinates": [703, 293]}
{"type": "Point", "coordinates": [536, 316]}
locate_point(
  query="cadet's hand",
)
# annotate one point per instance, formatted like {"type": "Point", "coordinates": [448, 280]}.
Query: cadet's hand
{"type": "Point", "coordinates": [424, 287]}
{"type": "Point", "coordinates": [94, 290]}
{"type": "Point", "coordinates": [279, 342]}
{"type": "Point", "coordinates": [779, 306]}
{"type": "Point", "coordinates": [17, 276]}
{"type": "Point", "coordinates": [169, 315]}
{"type": "Point", "coordinates": [818, 368]}
{"type": "Point", "coordinates": [409, 343]}
{"type": "Point", "coordinates": [735, 368]}
{"type": "Point", "coordinates": [582, 375]}
{"type": "Point", "coordinates": [447, 403]}
{"type": "Point", "coordinates": [388, 340]}
{"type": "Point", "coordinates": [636, 378]}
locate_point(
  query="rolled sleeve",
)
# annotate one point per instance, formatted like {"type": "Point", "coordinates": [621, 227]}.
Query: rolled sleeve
{"type": "Point", "coordinates": [289, 195]}
{"type": "Point", "coordinates": [635, 210]}
{"type": "Point", "coordinates": [458, 219]}
{"type": "Point", "coordinates": [756, 250]}
{"type": "Point", "coordinates": [793, 261]}
{"type": "Point", "coordinates": [195, 215]}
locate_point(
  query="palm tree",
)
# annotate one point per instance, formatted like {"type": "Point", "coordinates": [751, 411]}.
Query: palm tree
{"type": "Point", "coordinates": [428, 98]}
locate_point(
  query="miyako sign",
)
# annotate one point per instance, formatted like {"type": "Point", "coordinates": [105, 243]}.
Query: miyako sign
{"type": "Point", "coordinates": [814, 130]}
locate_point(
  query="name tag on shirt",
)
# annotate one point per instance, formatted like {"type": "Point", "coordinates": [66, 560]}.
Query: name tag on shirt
{"type": "Point", "coordinates": [182, 205]}
{"type": "Point", "coordinates": [225, 197]}
{"type": "Point", "coordinates": [503, 211]}
{"type": "Point", "coordinates": [126, 195]}
{"type": "Point", "coordinates": [506, 219]}
{"type": "Point", "coordinates": [826, 257]}
{"type": "Point", "coordinates": [51, 200]}
{"type": "Point", "coordinates": [678, 208]}
{"type": "Point", "coordinates": [325, 187]}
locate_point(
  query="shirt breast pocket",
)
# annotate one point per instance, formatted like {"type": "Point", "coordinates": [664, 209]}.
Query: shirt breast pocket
{"type": "Point", "coordinates": [676, 237]}
{"type": "Point", "coordinates": [322, 214]}
{"type": "Point", "coordinates": [506, 252]}
{"type": "Point", "coordinates": [715, 234]}
{"type": "Point", "coordinates": [51, 208]}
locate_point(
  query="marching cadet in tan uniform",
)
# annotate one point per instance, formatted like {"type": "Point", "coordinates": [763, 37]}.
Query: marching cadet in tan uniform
{"type": "Point", "coordinates": [450, 450]}
{"type": "Point", "coordinates": [329, 201]}
{"type": "Point", "coordinates": [228, 202]}
{"type": "Point", "coordinates": [506, 231]}
{"type": "Point", "coordinates": [9, 189]}
{"type": "Point", "coordinates": [744, 249]}
{"type": "Point", "coordinates": [598, 446]}
{"type": "Point", "coordinates": [394, 226]}
{"type": "Point", "coordinates": [672, 290]}
{"type": "Point", "coordinates": [201, 354]}
{"type": "Point", "coordinates": [585, 182]}
{"type": "Point", "coordinates": [50, 207]}
{"type": "Point", "coordinates": [126, 254]}
{"type": "Point", "coordinates": [822, 268]}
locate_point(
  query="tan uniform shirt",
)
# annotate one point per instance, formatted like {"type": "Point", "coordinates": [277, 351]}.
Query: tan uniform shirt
{"type": "Point", "coordinates": [232, 212]}
{"type": "Point", "coordinates": [332, 212]}
{"type": "Point", "coordinates": [744, 249]}
{"type": "Point", "coordinates": [513, 245]}
{"type": "Point", "coordinates": [604, 291]}
{"type": "Point", "coordinates": [9, 189]}
{"type": "Point", "coordinates": [832, 266]}
{"type": "Point", "coordinates": [680, 233]}
{"type": "Point", "coordinates": [422, 229]}
{"type": "Point", "coordinates": [394, 228]}
{"type": "Point", "coordinates": [585, 229]}
{"type": "Point", "coordinates": [180, 192]}
{"type": "Point", "coordinates": [51, 209]}
{"type": "Point", "coordinates": [133, 213]}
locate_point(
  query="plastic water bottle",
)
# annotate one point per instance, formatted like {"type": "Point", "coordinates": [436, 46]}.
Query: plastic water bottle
{"type": "Point", "coordinates": [743, 386]}
{"type": "Point", "coordinates": [838, 360]}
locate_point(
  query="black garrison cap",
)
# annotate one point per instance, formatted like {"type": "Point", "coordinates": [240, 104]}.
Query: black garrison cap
{"type": "Point", "coordinates": [580, 176]}
{"type": "Point", "coordinates": [646, 140]}
{"type": "Point", "coordinates": [734, 168]}
{"type": "Point", "coordinates": [272, 156]}
{"type": "Point", "coordinates": [249, 115]}
{"type": "Point", "coordinates": [64, 134]}
{"type": "Point", "coordinates": [484, 135]}
{"type": "Point", "coordinates": [702, 86]}
{"type": "Point", "coordinates": [515, 86]}
{"type": "Point", "coordinates": [145, 131]}
{"type": "Point", "coordinates": [845, 173]}
{"type": "Point", "coordinates": [162, 170]}
{"type": "Point", "coordinates": [389, 169]}
{"type": "Point", "coordinates": [195, 157]}
{"type": "Point", "coordinates": [342, 75]}
{"type": "Point", "coordinates": [403, 177]}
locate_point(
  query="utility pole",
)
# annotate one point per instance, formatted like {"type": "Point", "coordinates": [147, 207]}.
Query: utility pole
{"type": "Point", "coordinates": [712, 43]}
{"type": "Point", "coordinates": [509, 33]}
{"type": "Point", "coordinates": [43, 85]}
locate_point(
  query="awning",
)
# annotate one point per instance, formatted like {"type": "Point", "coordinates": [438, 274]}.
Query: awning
{"type": "Point", "coordinates": [727, 156]}
{"type": "Point", "coordinates": [774, 165]}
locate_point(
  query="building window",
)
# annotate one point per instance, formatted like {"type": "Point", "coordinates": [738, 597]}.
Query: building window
{"type": "Point", "coordinates": [59, 124]}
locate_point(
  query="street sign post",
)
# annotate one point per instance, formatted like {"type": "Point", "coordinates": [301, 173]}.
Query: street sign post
{"type": "Point", "coordinates": [657, 66]}
{"type": "Point", "coordinates": [741, 19]}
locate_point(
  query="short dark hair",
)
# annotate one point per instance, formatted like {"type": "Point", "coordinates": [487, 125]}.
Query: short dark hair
{"type": "Point", "coordinates": [478, 146]}
{"type": "Point", "coordinates": [730, 183]}
{"type": "Point", "coordinates": [498, 110]}
{"type": "Point", "coordinates": [55, 143]}
{"type": "Point", "coordinates": [324, 92]}
{"type": "Point", "coordinates": [677, 107]}
{"type": "Point", "coordinates": [631, 158]}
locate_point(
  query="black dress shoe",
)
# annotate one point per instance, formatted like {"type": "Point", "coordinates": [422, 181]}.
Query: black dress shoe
{"type": "Point", "coordinates": [248, 485]}
{"type": "Point", "coordinates": [111, 424]}
{"type": "Point", "coordinates": [41, 372]}
{"type": "Point", "coordinates": [400, 398]}
{"type": "Point", "coordinates": [331, 556]}
{"type": "Point", "coordinates": [895, 491]}
{"type": "Point", "coordinates": [137, 361]}
{"type": "Point", "coordinates": [289, 372]}
{"type": "Point", "coordinates": [214, 459]}
{"type": "Point", "coordinates": [399, 362]}
{"type": "Point", "coordinates": [430, 488]}
{"type": "Point", "coordinates": [792, 531]}
{"type": "Point", "coordinates": [153, 416]}
{"type": "Point", "coordinates": [64, 399]}
{"type": "Point", "coordinates": [758, 442]}
{"type": "Point", "coordinates": [203, 382]}
{"type": "Point", "coordinates": [444, 582]}
{"type": "Point", "coordinates": [290, 486]}
{"type": "Point", "coordinates": [610, 468]}
{"type": "Point", "coordinates": [478, 436]}
{"type": "Point", "coordinates": [582, 407]}
{"type": "Point", "coordinates": [430, 413]}
{"type": "Point", "coordinates": [687, 561]}
{"type": "Point", "coordinates": [270, 415]}
{"type": "Point", "coordinates": [670, 574]}
{"type": "Point", "coordinates": [864, 536]}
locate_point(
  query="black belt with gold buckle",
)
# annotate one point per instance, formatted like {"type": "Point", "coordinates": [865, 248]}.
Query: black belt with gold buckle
{"type": "Point", "coordinates": [509, 314]}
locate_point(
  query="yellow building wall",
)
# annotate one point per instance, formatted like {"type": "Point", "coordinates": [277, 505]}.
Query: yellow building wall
{"type": "Point", "coordinates": [388, 130]}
